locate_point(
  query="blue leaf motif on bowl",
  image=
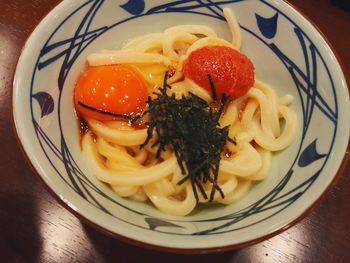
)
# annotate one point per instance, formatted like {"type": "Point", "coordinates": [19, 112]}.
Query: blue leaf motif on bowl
{"type": "Point", "coordinates": [46, 103]}
{"type": "Point", "coordinates": [134, 7]}
{"type": "Point", "coordinates": [267, 26]}
{"type": "Point", "coordinates": [156, 222]}
{"type": "Point", "coordinates": [310, 155]}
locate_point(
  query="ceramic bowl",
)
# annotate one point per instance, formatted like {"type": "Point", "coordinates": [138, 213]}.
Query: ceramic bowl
{"type": "Point", "coordinates": [288, 53]}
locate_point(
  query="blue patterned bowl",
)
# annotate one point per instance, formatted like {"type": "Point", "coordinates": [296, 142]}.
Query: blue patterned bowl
{"type": "Point", "coordinates": [288, 53]}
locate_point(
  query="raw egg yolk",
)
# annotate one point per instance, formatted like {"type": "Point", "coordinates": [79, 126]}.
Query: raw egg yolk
{"type": "Point", "coordinates": [115, 89]}
{"type": "Point", "coordinates": [232, 72]}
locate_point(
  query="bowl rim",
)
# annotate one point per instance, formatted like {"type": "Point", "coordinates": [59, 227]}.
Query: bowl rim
{"type": "Point", "coordinates": [342, 166]}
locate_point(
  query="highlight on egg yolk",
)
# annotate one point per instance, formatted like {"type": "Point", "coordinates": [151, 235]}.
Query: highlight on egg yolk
{"type": "Point", "coordinates": [231, 71]}
{"type": "Point", "coordinates": [117, 89]}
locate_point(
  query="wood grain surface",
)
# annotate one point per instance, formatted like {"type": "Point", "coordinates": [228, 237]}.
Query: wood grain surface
{"type": "Point", "coordinates": [34, 227]}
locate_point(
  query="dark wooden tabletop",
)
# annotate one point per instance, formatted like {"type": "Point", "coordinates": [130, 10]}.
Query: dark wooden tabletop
{"type": "Point", "coordinates": [34, 227]}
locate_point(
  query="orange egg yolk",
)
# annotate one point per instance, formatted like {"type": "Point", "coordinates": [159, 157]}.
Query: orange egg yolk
{"type": "Point", "coordinates": [104, 91]}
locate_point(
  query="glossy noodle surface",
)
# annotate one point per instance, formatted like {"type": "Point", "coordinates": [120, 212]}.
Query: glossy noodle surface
{"type": "Point", "coordinates": [121, 151]}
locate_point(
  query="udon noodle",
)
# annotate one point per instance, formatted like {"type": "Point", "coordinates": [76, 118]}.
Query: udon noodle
{"type": "Point", "coordinates": [260, 121]}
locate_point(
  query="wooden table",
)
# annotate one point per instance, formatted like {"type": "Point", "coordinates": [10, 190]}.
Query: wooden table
{"type": "Point", "coordinates": [34, 227]}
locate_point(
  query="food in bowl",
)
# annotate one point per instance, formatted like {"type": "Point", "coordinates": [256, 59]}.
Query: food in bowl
{"type": "Point", "coordinates": [288, 53]}
{"type": "Point", "coordinates": [178, 118]}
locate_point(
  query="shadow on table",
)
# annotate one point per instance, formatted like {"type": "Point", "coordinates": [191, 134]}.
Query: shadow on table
{"type": "Point", "coordinates": [19, 234]}
{"type": "Point", "coordinates": [109, 248]}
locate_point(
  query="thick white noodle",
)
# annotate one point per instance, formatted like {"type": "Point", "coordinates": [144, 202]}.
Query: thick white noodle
{"type": "Point", "coordinates": [121, 137]}
{"type": "Point", "coordinates": [234, 27]}
{"type": "Point", "coordinates": [127, 57]}
{"type": "Point", "coordinates": [259, 122]}
{"type": "Point", "coordinates": [126, 178]}
{"type": "Point", "coordinates": [287, 136]}
{"type": "Point", "coordinates": [168, 205]}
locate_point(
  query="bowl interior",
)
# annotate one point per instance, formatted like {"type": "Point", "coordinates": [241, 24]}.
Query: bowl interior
{"type": "Point", "coordinates": [288, 54]}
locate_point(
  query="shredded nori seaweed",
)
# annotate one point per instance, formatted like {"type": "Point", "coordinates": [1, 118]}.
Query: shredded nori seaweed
{"type": "Point", "coordinates": [190, 126]}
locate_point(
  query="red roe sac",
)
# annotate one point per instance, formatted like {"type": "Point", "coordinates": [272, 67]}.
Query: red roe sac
{"type": "Point", "coordinates": [116, 89]}
{"type": "Point", "coordinates": [231, 71]}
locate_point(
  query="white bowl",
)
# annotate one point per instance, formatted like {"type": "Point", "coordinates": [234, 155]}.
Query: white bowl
{"type": "Point", "coordinates": [288, 53]}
